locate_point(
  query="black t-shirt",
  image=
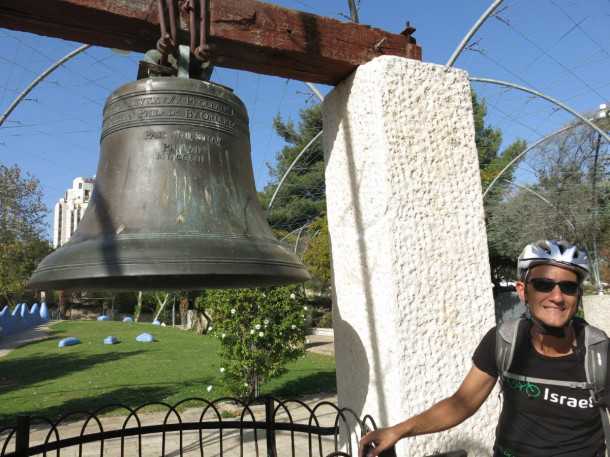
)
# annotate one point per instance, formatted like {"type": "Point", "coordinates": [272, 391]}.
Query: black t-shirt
{"type": "Point", "coordinates": [540, 420]}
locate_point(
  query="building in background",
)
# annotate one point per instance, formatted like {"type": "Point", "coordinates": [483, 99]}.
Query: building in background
{"type": "Point", "coordinates": [69, 210]}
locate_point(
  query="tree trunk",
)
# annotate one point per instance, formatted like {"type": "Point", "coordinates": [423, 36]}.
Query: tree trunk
{"type": "Point", "coordinates": [138, 310]}
{"type": "Point", "coordinates": [161, 305]}
{"type": "Point", "coordinates": [62, 305]}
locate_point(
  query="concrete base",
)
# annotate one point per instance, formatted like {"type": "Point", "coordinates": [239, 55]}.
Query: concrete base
{"type": "Point", "coordinates": [410, 262]}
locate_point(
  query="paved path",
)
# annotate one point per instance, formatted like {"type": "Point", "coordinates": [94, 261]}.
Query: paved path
{"type": "Point", "coordinates": [10, 342]}
{"type": "Point", "coordinates": [321, 344]}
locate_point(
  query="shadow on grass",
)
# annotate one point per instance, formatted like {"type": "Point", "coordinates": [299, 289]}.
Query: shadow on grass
{"type": "Point", "coordinates": [129, 396]}
{"type": "Point", "coordinates": [321, 382]}
{"type": "Point", "coordinates": [23, 372]}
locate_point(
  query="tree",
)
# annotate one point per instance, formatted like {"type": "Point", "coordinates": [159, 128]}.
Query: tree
{"type": "Point", "coordinates": [488, 141]}
{"type": "Point", "coordinates": [18, 259]}
{"type": "Point", "coordinates": [260, 330]}
{"type": "Point", "coordinates": [22, 244]}
{"type": "Point", "coordinates": [302, 196]}
{"type": "Point", "coordinates": [560, 203]}
{"type": "Point", "coordinates": [317, 255]}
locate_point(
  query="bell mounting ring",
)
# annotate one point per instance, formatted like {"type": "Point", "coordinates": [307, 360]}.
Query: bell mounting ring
{"type": "Point", "coordinates": [173, 59]}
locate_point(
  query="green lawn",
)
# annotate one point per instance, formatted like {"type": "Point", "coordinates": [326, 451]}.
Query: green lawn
{"type": "Point", "coordinates": [43, 380]}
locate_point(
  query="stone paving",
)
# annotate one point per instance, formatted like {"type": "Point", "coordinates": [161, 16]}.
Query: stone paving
{"type": "Point", "coordinates": [321, 344]}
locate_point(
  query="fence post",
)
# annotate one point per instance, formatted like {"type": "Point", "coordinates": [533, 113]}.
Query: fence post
{"type": "Point", "coordinates": [270, 423]}
{"type": "Point", "coordinates": [22, 439]}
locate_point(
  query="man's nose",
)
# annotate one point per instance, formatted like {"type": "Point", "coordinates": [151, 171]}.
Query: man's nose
{"type": "Point", "coordinates": [556, 294]}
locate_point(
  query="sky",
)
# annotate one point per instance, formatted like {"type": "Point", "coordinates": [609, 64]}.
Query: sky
{"type": "Point", "coordinates": [558, 47]}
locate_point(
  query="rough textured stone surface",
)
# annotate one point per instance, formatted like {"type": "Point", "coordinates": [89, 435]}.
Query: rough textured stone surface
{"type": "Point", "coordinates": [410, 263]}
{"type": "Point", "coordinates": [597, 311]}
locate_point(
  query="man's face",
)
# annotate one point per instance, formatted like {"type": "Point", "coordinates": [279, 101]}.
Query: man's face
{"type": "Point", "coordinates": [554, 308]}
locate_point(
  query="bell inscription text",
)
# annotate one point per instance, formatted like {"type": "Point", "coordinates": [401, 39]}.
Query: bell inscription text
{"type": "Point", "coordinates": [198, 110]}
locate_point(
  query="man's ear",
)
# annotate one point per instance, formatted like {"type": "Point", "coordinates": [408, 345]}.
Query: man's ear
{"type": "Point", "coordinates": [520, 287]}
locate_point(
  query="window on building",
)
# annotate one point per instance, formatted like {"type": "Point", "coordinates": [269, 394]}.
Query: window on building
{"type": "Point", "coordinates": [80, 185]}
{"type": "Point", "coordinates": [87, 191]}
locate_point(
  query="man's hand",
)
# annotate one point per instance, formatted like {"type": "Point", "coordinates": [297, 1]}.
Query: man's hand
{"type": "Point", "coordinates": [381, 439]}
{"type": "Point", "coordinates": [443, 415]}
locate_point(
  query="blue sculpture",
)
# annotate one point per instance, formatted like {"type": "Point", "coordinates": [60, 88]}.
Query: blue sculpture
{"type": "Point", "coordinates": [21, 318]}
{"type": "Point", "coordinates": [145, 338]}
{"type": "Point", "coordinates": [111, 340]}
{"type": "Point", "coordinates": [70, 341]}
{"type": "Point", "coordinates": [127, 319]}
{"type": "Point", "coordinates": [156, 322]}
{"type": "Point", "coordinates": [103, 318]}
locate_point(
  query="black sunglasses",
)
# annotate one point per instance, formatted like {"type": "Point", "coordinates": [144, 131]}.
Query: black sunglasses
{"type": "Point", "coordinates": [547, 285]}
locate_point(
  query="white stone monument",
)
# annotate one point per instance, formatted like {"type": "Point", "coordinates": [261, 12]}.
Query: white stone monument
{"type": "Point", "coordinates": [410, 263]}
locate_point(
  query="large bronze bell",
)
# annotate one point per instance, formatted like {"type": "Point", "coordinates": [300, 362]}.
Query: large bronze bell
{"type": "Point", "coordinates": [174, 205]}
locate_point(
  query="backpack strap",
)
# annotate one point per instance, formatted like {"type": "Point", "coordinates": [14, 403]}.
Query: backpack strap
{"type": "Point", "coordinates": [596, 368]}
{"type": "Point", "coordinates": [553, 382]}
{"type": "Point", "coordinates": [506, 342]}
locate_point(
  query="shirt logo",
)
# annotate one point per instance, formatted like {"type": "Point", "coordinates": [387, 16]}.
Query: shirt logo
{"type": "Point", "coordinates": [564, 400]}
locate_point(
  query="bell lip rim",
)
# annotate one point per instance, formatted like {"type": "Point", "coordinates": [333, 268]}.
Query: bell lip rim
{"type": "Point", "coordinates": [184, 282]}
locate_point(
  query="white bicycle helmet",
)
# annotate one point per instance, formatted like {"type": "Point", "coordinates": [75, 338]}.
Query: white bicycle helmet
{"type": "Point", "coordinates": [553, 252]}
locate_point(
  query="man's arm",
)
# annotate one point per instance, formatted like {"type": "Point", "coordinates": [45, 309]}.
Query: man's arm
{"type": "Point", "coordinates": [447, 413]}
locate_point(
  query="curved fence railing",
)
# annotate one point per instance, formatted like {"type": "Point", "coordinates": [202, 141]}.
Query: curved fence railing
{"type": "Point", "coordinates": [195, 427]}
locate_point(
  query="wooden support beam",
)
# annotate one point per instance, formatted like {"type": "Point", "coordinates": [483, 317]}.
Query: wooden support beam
{"type": "Point", "coordinates": [244, 34]}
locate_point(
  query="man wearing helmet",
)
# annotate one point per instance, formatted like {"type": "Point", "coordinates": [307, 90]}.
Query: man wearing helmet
{"type": "Point", "coordinates": [548, 409]}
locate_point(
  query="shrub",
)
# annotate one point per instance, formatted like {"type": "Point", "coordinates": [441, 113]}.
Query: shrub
{"type": "Point", "coordinates": [260, 330]}
{"type": "Point", "coordinates": [326, 321]}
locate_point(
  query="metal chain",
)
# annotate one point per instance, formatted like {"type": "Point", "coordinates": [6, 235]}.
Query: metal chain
{"type": "Point", "coordinates": [202, 52]}
{"type": "Point", "coordinates": [168, 42]}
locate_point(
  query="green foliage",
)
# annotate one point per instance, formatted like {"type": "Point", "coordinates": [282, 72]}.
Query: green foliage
{"type": "Point", "coordinates": [561, 203]}
{"type": "Point", "coordinates": [326, 321]}
{"type": "Point", "coordinates": [301, 198]}
{"type": "Point", "coordinates": [259, 330]}
{"type": "Point", "coordinates": [491, 162]}
{"type": "Point", "coordinates": [487, 139]}
{"type": "Point", "coordinates": [18, 259]}
{"type": "Point", "coordinates": [317, 256]}
{"type": "Point", "coordinates": [21, 224]}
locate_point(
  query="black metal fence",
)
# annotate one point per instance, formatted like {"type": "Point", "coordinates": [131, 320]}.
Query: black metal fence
{"type": "Point", "coordinates": [195, 426]}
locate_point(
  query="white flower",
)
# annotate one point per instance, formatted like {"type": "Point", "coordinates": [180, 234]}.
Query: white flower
{"type": "Point", "coordinates": [293, 296]}
{"type": "Point", "coordinates": [305, 308]}
{"type": "Point", "coordinates": [223, 335]}
{"type": "Point", "coordinates": [209, 389]}
{"type": "Point", "coordinates": [222, 369]}
{"type": "Point", "coordinates": [245, 384]}
{"type": "Point", "coordinates": [252, 332]}
{"type": "Point", "coordinates": [293, 326]}
{"type": "Point", "coordinates": [257, 326]}
{"type": "Point", "coordinates": [211, 328]}
{"type": "Point", "coordinates": [232, 310]}
{"type": "Point", "coordinates": [264, 295]}
{"type": "Point", "coordinates": [261, 334]}
{"type": "Point", "coordinates": [266, 322]}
